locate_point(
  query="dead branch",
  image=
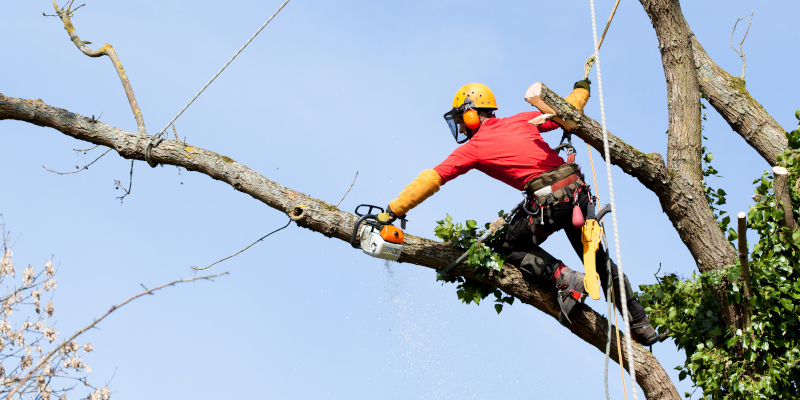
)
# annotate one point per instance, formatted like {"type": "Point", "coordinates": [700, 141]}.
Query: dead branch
{"type": "Point", "coordinates": [348, 190]}
{"type": "Point", "coordinates": [243, 250]}
{"type": "Point", "coordinates": [46, 359]}
{"type": "Point", "coordinates": [130, 185]}
{"type": "Point", "coordinates": [65, 14]}
{"type": "Point", "coordinates": [79, 169]}
{"type": "Point", "coordinates": [740, 52]}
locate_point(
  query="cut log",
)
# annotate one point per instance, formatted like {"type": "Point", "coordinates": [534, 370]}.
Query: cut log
{"type": "Point", "coordinates": [534, 96]}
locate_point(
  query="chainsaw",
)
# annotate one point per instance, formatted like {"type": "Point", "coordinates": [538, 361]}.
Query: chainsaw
{"type": "Point", "coordinates": [378, 240]}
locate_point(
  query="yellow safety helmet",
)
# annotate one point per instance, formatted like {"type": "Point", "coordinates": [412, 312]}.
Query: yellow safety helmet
{"type": "Point", "coordinates": [480, 94]}
{"type": "Point", "coordinates": [467, 99]}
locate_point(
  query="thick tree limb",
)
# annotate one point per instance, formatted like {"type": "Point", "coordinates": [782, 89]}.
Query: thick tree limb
{"type": "Point", "coordinates": [330, 221]}
{"type": "Point", "coordinates": [728, 95]}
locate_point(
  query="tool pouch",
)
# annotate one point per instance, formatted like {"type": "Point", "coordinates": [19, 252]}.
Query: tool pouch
{"type": "Point", "coordinates": [537, 188]}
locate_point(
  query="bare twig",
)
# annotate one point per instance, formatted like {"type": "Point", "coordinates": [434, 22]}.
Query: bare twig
{"type": "Point", "coordinates": [80, 169]}
{"type": "Point", "coordinates": [46, 359]}
{"type": "Point", "coordinates": [348, 190]}
{"type": "Point", "coordinates": [65, 14]}
{"type": "Point", "coordinates": [175, 131]}
{"type": "Point", "coordinates": [85, 150]}
{"type": "Point", "coordinates": [130, 185]}
{"type": "Point", "coordinates": [242, 250]}
{"type": "Point", "coordinates": [740, 52]}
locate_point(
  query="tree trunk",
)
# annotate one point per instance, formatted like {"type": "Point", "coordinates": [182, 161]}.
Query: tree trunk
{"type": "Point", "coordinates": [330, 221]}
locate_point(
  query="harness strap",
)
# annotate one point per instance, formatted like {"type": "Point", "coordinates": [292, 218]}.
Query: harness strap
{"type": "Point", "coordinates": [547, 190]}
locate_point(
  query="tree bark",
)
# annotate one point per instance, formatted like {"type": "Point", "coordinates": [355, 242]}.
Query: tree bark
{"type": "Point", "coordinates": [686, 203]}
{"type": "Point", "coordinates": [727, 94]}
{"type": "Point", "coordinates": [781, 187]}
{"type": "Point", "coordinates": [321, 217]}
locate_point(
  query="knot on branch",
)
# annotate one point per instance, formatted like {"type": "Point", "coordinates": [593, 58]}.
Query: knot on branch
{"type": "Point", "coordinates": [297, 212]}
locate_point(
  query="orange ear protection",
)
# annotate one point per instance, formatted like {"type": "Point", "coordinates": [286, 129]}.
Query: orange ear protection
{"type": "Point", "coordinates": [471, 119]}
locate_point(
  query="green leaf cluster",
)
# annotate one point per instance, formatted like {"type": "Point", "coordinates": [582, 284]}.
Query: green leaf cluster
{"type": "Point", "coordinates": [762, 361]}
{"type": "Point", "coordinates": [480, 257]}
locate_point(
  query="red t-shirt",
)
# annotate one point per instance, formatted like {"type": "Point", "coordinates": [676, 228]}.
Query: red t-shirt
{"type": "Point", "coordinates": [508, 149]}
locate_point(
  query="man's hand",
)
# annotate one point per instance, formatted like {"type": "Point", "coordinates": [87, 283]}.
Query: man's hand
{"type": "Point", "coordinates": [387, 217]}
{"type": "Point", "coordinates": [583, 84]}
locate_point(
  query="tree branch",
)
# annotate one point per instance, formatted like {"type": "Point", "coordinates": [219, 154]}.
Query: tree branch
{"type": "Point", "coordinates": [65, 14]}
{"type": "Point", "coordinates": [321, 217]}
{"type": "Point", "coordinates": [728, 95]}
{"type": "Point", "coordinates": [44, 360]}
{"type": "Point", "coordinates": [649, 169]}
{"type": "Point", "coordinates": [740, 51]}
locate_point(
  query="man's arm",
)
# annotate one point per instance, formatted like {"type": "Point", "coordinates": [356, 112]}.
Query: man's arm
{"type": "Point", "coordinates": [423, 186]}
{"type": "Point", "coordinates": [429, 180]}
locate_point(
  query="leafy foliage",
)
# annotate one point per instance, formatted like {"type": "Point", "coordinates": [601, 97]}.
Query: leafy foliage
{"type": "Point", "coordinates": [481, 257]}
{"type": "Point", "coordinates": [715, 197]}
{"type": "Point", "coordinates": [763, 359]}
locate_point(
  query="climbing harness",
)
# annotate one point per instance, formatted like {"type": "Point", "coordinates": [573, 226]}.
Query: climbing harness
{"type": "Point", "coordinates": [157, 138]}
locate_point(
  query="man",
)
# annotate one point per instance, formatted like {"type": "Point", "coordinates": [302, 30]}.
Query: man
{"type": "Point", "coordinates": [513, 151]}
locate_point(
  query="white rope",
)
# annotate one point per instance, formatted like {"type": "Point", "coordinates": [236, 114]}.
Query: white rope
{"type": "Point", "coordinates": [223, 68]}
{"type": "Point", "coordinates": [622, 294]}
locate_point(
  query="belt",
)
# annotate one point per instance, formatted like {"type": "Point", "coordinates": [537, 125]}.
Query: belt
{"type": "Point", "coordinates": [557, 185]}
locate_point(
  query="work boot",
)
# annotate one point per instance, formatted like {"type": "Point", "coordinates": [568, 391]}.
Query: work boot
{"type": "Point", "coordinates": [570, 290]}
{"type": "Point", "coordinates": [644, 333]}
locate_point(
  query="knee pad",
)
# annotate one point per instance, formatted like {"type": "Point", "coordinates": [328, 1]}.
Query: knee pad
{"type": "Point", "coordinates": [540, 264]}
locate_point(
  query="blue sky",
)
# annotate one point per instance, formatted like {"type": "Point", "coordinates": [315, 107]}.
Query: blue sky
{"type": "Point", "coordinates": [327, 90]}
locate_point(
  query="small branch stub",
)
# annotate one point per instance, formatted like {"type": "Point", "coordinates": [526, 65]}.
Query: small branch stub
{"type": "Point", "coordinates": [783, 197]}
{"type": "Point", "coordinates": [297, 212]}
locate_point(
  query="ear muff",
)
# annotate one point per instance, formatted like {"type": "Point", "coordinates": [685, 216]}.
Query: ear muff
{"type": "Point", "coordinates": [471, 119]}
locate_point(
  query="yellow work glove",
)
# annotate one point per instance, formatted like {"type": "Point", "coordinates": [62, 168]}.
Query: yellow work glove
{"type": "Point", "coordinates": [422, 187]}
{"type": "Point", "coordinates": [387, 217]}
{"type": "Point", "coordinates": [580, 94]}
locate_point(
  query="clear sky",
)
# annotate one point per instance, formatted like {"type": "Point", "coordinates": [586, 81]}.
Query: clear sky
{"type": "Point", "coordinates": [327, 90]}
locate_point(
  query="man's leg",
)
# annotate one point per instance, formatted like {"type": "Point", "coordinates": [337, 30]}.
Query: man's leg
{"type": "Point", "coordinates": [640, 323]}
{"type": "Point", "coordinates": [522, 249]}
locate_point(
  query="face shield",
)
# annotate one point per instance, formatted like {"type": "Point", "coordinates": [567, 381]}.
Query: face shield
{"type": "Point", "coordinates": [456, 123]}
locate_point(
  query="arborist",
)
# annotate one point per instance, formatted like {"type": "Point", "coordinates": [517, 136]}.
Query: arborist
{"type": "Point", "coordinates": [513, 151]}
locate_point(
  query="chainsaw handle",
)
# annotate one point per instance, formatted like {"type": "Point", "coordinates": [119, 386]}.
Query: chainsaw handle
{"type": "Point", "coordinates": [371, 207]}
{"type": "Point", "coordinates": [603, 212]}
{"type": "Point", "coordinates": [361, 219]}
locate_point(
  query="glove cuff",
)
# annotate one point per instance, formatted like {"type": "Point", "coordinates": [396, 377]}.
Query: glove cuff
{"type": "Point", "coordinates": [583, 84]}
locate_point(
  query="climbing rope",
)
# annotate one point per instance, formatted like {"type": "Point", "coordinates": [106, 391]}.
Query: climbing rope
{"type": "Point", "coordinates": [590, 62]}
{"type": "Point", "coordinates": [609, 297]}
{"type": "Point", "coordinates": [157, 137]}
{"type": "Point", "coordinates": [623, 300]}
